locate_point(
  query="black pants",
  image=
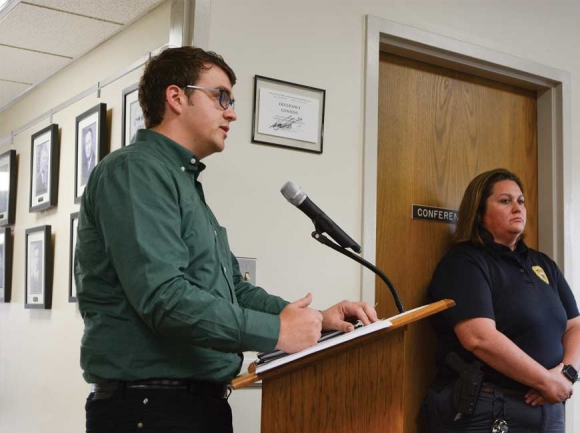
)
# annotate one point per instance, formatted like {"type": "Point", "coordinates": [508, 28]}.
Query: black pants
{"type": "Point", "coordinates": [158, 411]}
{"type": "Point", "coordinates": [520, 417]}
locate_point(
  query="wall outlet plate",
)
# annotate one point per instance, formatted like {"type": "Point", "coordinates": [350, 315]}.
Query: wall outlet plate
{"type": "Point", "coordinates": [248, 268]}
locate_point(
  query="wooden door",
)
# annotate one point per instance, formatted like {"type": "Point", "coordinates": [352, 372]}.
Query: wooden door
{"type": "Point", "coordinates": [438, 129]}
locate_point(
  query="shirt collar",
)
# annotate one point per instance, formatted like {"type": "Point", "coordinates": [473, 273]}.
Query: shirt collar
{"type": "Point", "coordinates": [500, 250]}
{"type": "Point", "coordinates": [183, 158]}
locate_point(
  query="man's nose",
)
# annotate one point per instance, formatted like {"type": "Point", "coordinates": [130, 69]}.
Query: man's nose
{"type": "Point", "coordinates": [230, 114]}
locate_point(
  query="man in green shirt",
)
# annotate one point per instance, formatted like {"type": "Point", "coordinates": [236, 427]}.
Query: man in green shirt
{"type": "Point", "coordinates": [166, 310]}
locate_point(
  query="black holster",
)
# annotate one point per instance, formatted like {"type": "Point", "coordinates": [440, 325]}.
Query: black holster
{"type": "Point", "coordinates": [468, 385]}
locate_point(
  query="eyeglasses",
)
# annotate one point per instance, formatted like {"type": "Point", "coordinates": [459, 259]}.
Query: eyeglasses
{"type": "Point", "coordinates": [225, 99]}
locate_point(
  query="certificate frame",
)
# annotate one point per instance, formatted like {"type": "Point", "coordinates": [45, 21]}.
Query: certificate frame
{"type": "Point", "coordinates": [288, 115]}
{"type": "Point", "coordinates": [88, 152]}
{"type": "Point", "coordinates": [132, 114]}
{"type": "Point", "coordinates": [72, 288]}
{"type": "Point", "coordinates": [44, 148]}
{"type": "Point", "coordinates": [38, 269]}
{"type": "Point", "coordinates": [7, 188]}
{"type": "Point", "coordinates": [5, 264]}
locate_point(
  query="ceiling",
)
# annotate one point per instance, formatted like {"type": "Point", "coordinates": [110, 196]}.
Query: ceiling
{"type": "Point", "coordinates": [40, 37]}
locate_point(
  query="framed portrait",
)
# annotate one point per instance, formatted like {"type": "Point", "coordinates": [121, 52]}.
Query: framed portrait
{"type": "Point", "coordinates": [44, 151]}
{"type": "Point", "coordinates": [288, 115]}
{"type": "Point", "coordinates": [7, 187]}
{"type": "Point", "coordinates": [132, 114]}
{"type": "Point", "coordinates": [5, 264]}
{"type": "Point", "coordinates": [72, 287]}
{"type": "Point", "coordinates": [91, 145]}
{"type": "Point", "coordinates": [38, 274]}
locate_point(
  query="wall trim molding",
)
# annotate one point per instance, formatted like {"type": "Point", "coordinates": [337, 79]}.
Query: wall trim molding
{"type": "Point", "coordinates": [190, 23]}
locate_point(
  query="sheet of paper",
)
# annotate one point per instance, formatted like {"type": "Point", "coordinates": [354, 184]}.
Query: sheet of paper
{"type": "Point", "coordinates": [373, 327]}
{"type": "Point", "coordinates": [287, 115]}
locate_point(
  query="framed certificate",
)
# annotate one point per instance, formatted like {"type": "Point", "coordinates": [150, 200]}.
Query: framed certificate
{"type": "Point", "coordinates": [288, 115]}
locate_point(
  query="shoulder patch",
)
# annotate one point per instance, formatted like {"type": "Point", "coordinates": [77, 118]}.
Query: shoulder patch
{"type": "Point", "coordinates": [541, 274]}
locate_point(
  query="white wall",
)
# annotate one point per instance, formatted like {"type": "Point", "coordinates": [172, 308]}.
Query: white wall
{"type": "Point", "coordinates": [319, 43]}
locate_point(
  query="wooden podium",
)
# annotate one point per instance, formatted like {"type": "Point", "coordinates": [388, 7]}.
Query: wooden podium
{"type": "Point", "coordinates": [356, 386]}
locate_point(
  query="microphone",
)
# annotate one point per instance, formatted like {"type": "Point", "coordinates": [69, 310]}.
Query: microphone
{"type": "Point", "coordinates": [323, 224]}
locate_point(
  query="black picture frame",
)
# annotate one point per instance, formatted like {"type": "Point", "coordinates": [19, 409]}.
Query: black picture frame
{"type": "Point", "coordinates": [288, 115]}
{"type": "Point", "coordinates": [38, 268]}
{"type": "Point", "coordinates": [5, 264]}
{"type": "Point", "coordinates": [88, 152]}
{"type": "Point", "coordinates": [132, 114]}
{"type": "Point", "coordinates": [8, 191]}
{"type": "Point", "coordinates": [44, 163]}
{"type": "Point", "coordinates": [72, 288]}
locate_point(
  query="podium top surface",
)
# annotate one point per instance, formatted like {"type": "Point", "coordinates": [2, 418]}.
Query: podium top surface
{"type": "Point", "coordinates": [396, 322]}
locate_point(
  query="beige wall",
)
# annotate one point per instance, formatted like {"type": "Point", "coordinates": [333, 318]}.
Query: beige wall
{"type": "Point", "coordinates": [319, 43]}
{"type": "Point", "coordinates": [42, 389]}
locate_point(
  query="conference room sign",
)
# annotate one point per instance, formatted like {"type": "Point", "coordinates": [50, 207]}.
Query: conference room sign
{"type": "Point", "coordinates": [434, 214]}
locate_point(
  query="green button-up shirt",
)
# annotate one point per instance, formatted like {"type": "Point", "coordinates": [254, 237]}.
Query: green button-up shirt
{"type": "Point", "coordinates": [159, 290]}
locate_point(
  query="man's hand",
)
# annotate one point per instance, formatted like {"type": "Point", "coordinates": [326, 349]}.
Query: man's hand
{"type": "Point", "coordinates": [334, 317]}
{"type": "Point", "coordinates": [300, 326]}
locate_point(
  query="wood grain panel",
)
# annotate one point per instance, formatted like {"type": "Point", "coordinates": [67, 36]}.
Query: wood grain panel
{"type": "Point", "coordinates": [438, 129]}
{"type": "Point", "coordinates": [368, 390]}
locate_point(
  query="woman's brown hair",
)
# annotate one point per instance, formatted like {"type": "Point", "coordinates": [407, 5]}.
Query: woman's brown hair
{"type": "Point", "coordinates": [473, 206]}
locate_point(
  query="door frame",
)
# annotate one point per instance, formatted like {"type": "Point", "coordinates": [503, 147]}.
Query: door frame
{"type": "Point", "coordinates": [552, 87]}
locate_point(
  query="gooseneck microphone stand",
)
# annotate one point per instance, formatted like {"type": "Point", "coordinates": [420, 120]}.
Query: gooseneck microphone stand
{"type": "Point", "coordinates": [325, 241]}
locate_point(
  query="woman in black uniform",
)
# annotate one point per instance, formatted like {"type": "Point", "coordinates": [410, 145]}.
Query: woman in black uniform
{"type": "Point", "coordinates": [515, 314]}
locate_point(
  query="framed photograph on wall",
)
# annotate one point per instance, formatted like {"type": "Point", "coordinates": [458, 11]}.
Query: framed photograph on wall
{"type": "Point", "coordinates": [91, 145]}
{"type": "Point", "coordinates": [288, 115]}
{"type": "Point", "coordinates": [44, 151]}
{"type": "Point", "coordinates": [38, 273]}
{"type": "Point", "coordinates": [7, 187]}
{"type": "Point", "coordinates": [132, 115]}
{"type": "Point", "coordinates": [5, 264]}
{"type": "Point", "coordinates": [72, 287]}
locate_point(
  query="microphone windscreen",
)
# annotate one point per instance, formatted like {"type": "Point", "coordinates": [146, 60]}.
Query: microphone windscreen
{"type": "Point", "coordinates": [293, 193]}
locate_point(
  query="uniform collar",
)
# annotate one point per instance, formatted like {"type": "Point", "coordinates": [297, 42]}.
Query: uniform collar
{"type": "Point", "coordinates": [500, 250]}
{"type": "Point", "coordinates": [170, 150]}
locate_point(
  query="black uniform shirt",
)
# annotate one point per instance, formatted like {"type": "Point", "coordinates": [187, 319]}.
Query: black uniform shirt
{"type": "Point", "coordinates": [523, 291]}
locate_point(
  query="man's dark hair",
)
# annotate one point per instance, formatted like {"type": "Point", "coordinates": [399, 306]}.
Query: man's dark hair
{"type": "Point", "coordinates": [174, 66]}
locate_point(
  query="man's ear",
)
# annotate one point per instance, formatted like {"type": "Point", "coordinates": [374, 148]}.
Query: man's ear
{"type": "Point", "coordinates": [175, 98]}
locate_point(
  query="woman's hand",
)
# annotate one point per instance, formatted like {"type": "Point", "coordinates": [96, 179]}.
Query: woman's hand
{"type": "Point", "coordinates": [535, 397]}
{"type": "Point", "coordinates": [481, 337]}
{"type": "Point", "coordinates": [557, 388]}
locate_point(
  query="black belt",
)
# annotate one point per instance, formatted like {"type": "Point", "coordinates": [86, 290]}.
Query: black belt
{"type": "Point", "coordinates": [107, 389]}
